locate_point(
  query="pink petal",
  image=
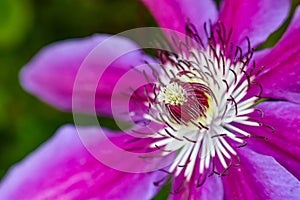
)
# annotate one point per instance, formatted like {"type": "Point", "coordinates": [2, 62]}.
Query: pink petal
{"type": "Point", "coordinates": [282, 77]}
{"type": "Point", "coordinates": [63, 169]}
{"type": "Point", "coordinates": [52, 72]}
{"type": "Point", "coordinates": [284, 143]}
{"type": "Point", "coordinates": [174, 14]}
{"type": "Point", "coordinates": [256, 19]}
{"type": "Point", "coordinates": [211, 189]}
{"type": "Point", "coordinates": [259, 177]}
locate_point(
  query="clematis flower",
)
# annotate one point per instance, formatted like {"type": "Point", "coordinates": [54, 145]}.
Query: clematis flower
{"type": "Point", "coordinates": [230, 114]}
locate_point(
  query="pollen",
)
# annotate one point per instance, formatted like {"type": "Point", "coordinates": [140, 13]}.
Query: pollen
{"type": "Point", "coordinates": [173, 94]}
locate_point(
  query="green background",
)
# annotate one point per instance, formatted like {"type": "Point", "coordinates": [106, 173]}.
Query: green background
{"type": "Point", "coordinates": [28, 25]}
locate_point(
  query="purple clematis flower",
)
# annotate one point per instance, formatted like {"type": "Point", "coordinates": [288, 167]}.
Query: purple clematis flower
{"type": "Point", "coordinates": [204, 103]}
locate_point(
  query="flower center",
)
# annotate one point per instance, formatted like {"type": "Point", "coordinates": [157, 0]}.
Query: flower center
{"type": "Point", "coordinates": [184, 101]}
{"type": "Point", "coordinates": [173, 94]}
{"type": "Point", "coordinates": [200, 98]}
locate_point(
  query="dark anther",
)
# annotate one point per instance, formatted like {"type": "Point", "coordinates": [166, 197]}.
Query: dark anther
{"type": "Point", "coordinates": [235, 76]}
{"type": "Point", "coordinates": [260, 137]}
{"type": "Point", "coordinates": [229, 35]}
{"type": "Point", "coordinates": [186, 164]}
{"type": "Point", "coordinates": [215, 54]}
{"type": "Point", "coordinates": [192, 32]}
{"type": "Point", "coordinates": [183, 63]}
{"type": "Point", "coordinates": [194, 56]}
{"type": "Point", "coordinates": [169, 56]}
{"type": "Point", "coordinates": [242, 136]}
{"type": "Point", "coordinates": [225, 171]}
{"type": "Point", "coordinates": [260, 88]}
{"type": "Point", "coordinates": [227, 86]}
{"type": "Point", "coordinates": [252, 68]}
{"type": "Point", "coordinates": [212, 38]}
{"type": "Point", "coordinates": [238, 50]}
{"type": "Point", "coordinates": [248, 78]}
{"type": "Point", "coordinates": [242, 145]}
{"type": "Point", "coordinates": [163, 150]}
{"type": "Point", "coordinates": [255, 120]}
{"type": "Point", "coordinates": [222, 26]}
{"type": "Point", "coordinates": [230, 50]}
{"type": "Point", "coordinates": [249, 56]}
{"type": "Point", "coordinates": [221, 38]}
{"type": "Point", "coordinates": [190, 140]}
{"type": "Point", "coordinates": [212, 168]}
{"type": "Point", "coordinates": [201, 179]}
{"type": "Point", "coordinates": [223, 62]}
{"type": "Point", "coordinates": [249, 44]}
{"type": "Point", "coordinates": [168, 132]}
{"type": "Point", "coordinates": [147, 95]}
{"type": "Point", "coordinates": [183, 44]}
{"type": "Point", "coordinates": [270, 127]}
{"type": "Point", "coordinates": [244, 64]}
{"type": "Point", "coordinates": [173, 74]}
{"type": "Point", "coordinates": [260, 111]}
{"type": "Point", "coordinates": [181, 73]}
{"type": "Point", "coordinates": [159, 133]}
{"type": "Point", "coordinates": [154, 89]}
{"type": "Point", "coordinates": [198, 39]}
{"type": "Point", "coordinates": [260, 70]}
{"type": "Point", "coordinates": [170, 126]}
{"type": "Point", "coordinates": [166, 171]}
{"type": "Point", "coordinates": [154, 71]}
{"type": "Point", "coordinates": [205, 127]}
{"type": "Point", "coordinates": [165, 71]}
{"type": "Point", "coordinates": [205, 30]}
{"type": "Point", "coordinates": [215, 171]}
{"type": "Point", "coordinates": [235, 104]}
{"type": "Point", "coordinates": [157, 183]}
{"type": "Point", "coordinates": [219, 135]}
{"type": "Point", "coordinates": [238, 161]}
{"type": "Point", "coordinates": [225, 110]}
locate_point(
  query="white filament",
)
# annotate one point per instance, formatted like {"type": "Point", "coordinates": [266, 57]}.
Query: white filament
{"type": "Point", "coordinates": [226, 82]}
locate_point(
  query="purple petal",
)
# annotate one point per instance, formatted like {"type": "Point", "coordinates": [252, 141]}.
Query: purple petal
{"type": "Point", "coordinates": [211, 189]}
{"type": "Point", "coordinates": [52, 72]}
{"type": "Point", "coordinates": [284, 143]}
{"type": "Point", "coordinates": [260, 177]}
{"type": "Point", "coordinates": [256, 19]}
{"type": "Point", "coordinates": [174, 14]}
{"type": "Point", "coordinates": [63, 169]}
{"type": "Point", "coordinates": [282, 77]}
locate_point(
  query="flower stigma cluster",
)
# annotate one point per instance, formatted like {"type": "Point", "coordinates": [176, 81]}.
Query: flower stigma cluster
{"type": "Point", "coordinates": [173, 94]}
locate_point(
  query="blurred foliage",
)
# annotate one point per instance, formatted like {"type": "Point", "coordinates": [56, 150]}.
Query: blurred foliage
{"type": "Point", "coordinates": [28, 25]}
{"type": "Point", "coordinates": [15, 22]}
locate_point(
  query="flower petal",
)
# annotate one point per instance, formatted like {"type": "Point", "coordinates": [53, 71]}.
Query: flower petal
{"type": "Point", "coordinates": [259, 177]}
{"type": "Point", "coordinates": [256, 19]}
{"type": "Point", "coordinates": [63, 169]}
{"type": "Point", "coordinates": [52, 72]}
{"type": "Point", "coordinates": [174, 14]}
{"type": "Point", "coordinates": [281, 80]}
{"type": "Point", "coordinates": [211, 189]}
{"type": "Point", "coordinates": [284, 143]}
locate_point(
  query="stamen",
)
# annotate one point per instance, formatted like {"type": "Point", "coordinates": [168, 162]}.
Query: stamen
{"type": "Point", "coordinates": [200, 98]}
